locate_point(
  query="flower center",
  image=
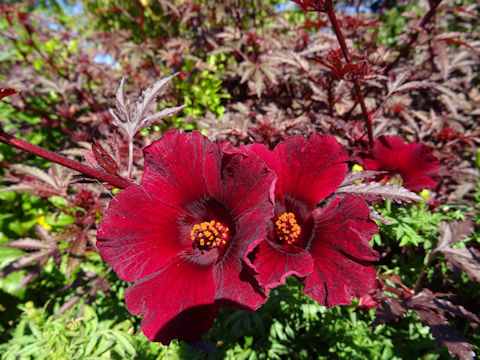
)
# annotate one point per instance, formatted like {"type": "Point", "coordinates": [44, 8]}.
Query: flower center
{"type": "Point", "coordinates": [287, 228]}
{"type": "Point", "coordinates": [209, 235]}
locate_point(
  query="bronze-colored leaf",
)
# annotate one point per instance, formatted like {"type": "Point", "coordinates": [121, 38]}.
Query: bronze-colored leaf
{"type": "Point", "coordinates": [76, 253]}
{"type": "Point", "coordinates": [459, 259]}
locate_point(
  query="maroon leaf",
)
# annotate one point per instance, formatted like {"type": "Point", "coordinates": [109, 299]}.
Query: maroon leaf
{"type": "Point", "coordinates": [465, 259]}
{"type": "Point", "coordinates": [446, 334]}
{"type": "Point", "coordinates": [28, 244]}
{"type": "Point", "coordinates": [459, 259]}
{"type": "Point", "coordinates": [380, 190]}
{"type": "Point", "coordinates": [26, 260]}
{"type": "Point", "coordinates": [453, 233]}
{"type": "Point", "coordinates": [104, 159]}
{"type": "Point", "coordinates": [360, 175]}
{"type": "Point", "coordinates": [431, 311]}
{"type": "Point", "coordinates": [391, 309]}
{"type": "Point", "coordinates": [7, 92]}
{"type": "Point", "coordinates": [76, 253]}
{"type": "Point", "coordinates": [33, 262]}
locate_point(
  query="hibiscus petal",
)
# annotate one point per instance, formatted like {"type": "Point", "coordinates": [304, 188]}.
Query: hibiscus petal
{"type": "Point", "coordinates": [341, 253]}
{"type": "Point", "coordinates": [308, 171]}
{"type": "Point", "coordinates": [246, 184]}
{"type": "Point", "coordinates": [138, 235]}
{"type": "Point", "coordinates": [233, 281]}
{"type": "Point", "coordinates": [274, 264]}
{"type": "Point", "coordinates": [414, 162]}
{"type": "Point", "coordinates": [172, 300]}
{"type": "Point", "coordinates": [418, 167]}
{"type": "Point", "coordinates": [176, 166]}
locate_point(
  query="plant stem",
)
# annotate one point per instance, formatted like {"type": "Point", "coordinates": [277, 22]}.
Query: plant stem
{"type": "Point", "coordinates": [414, 35]}
{"type": "Point", "coordinates": [330, 10]}
{"type": "Point", "coordinates": [130, 157]}
{"type": "Point", "coordinates": [59, 159]}
{"type": "Point", "coordinates": [418, 283]}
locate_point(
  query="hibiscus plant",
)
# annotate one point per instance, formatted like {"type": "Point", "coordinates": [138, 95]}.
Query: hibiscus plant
{"type": "Point", "coordinates": [325, 197]}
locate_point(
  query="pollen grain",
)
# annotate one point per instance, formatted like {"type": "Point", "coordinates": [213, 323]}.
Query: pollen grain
{"type": "Point", "coordinates": [287, 230]}
{"type": "Point", "coordinates": [208, 235]}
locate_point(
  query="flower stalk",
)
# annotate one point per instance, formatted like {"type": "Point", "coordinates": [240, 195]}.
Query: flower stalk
{"type": "Point", "coordinates": [330, 10]}
{"type": "Point", "coordinates": [59, 159]}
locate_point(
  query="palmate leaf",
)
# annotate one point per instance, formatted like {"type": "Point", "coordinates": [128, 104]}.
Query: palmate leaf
{"type": "Point", "coordinates": [35, 181]}
{"type": "Point", "coordinates": [133, 119]}
{"type": "Point", "coordinates": [381, 190]}
{"type": "Point", "coordinates": [35, 172]}
{"type": "Point", "coordinates": [459, 259]}
{"type": "Point", "coordinates": [34, 261]}
{"type": "Point", "coordinates": [28, 244]}
{"type": "Point", "coordinates": [431, 311]}
{"type": "Point", "coordinates": [103, 158]}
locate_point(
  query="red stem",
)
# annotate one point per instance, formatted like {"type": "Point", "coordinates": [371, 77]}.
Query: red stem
{"type": "Point", "coordinates": [330, 10]}
{"type": "Point", "coordinates": [72, 164]}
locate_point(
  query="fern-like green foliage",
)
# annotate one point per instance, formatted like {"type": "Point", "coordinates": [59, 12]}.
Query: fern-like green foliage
{"type": "Point", "coordinates": [412, 225]}
{"type": "Point", "coordinates": [292, 326]}
{"type": "Point", "coordinates": [38, 336]}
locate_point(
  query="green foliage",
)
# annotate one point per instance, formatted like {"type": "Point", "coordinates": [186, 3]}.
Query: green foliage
{"type": "Point", "coordinates": [201, 92]}
{"type": "Point", "coordinates": [292, 326]}
{"type": "Point", "coordinates": [393, 24]}
{"type": "Point", "coordinates": [20, 213]}
{"type": "Point", "coordinates": [412, 225]}
{"type": "Point", "coordinates": [67, 336]}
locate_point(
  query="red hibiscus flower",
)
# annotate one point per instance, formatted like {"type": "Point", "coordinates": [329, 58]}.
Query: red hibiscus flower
{"type": "Point", "coordinates": [182, 235]}
{"type": "Point", "coordinates": [414, 162]}
{"type": "Point", "coordinates": [326, 248]}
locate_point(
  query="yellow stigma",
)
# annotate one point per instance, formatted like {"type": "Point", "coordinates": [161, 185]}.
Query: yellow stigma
{"type": "Point", "coordinates": [286, 228]}
{"type": "Point", "coordinates": [209, 235]}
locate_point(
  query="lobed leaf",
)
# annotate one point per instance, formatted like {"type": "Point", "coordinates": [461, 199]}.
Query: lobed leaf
{"type": "Point", "coordinates": [459, 259]}
{"type": "Point", "coordinates": [132, 120]}
{"type": "Point", "coordinates": [431, 312]}
{"type": "Point", "coordinates": [382, 190]}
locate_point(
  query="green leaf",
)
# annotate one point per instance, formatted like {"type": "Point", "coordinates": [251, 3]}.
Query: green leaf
{"type": "Point", "coordinates": [124, 342]}
{"type": "Point", "coordinates": [8, 255]}
{"type": "Point", "coordinates": [59, 219]}
{"type": "Point", "coordinates": [11, 283]}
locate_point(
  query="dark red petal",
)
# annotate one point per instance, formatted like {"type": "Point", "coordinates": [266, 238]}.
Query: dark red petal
{"type": "Point", "coordinates": [245, 184]}
{"type": "Point", "coordinates": [273, 162]}
{"type": "Point", "coordinates": [341, 253]}
{"type": "Point", "coordinates": [414, 162]}
{"type": "Point", "coordinates": [138, 234]}
{"type": "Point", "coordinates": [384, 155]}
{"type": "Point", "coordinates": [172, 298]}
{"type": "Point", "coordinates": [245, 188]}
{"type": "Point", "coordinates": [274, 265]}
{"type": "Point", "coordinates": [233, 283]}
{"type": "Point", "coordinates": [418, 167]}
{"type": "Point", "coordinates": [176, 165]}
{"type": "Point", "coordinates": [308, 171]}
